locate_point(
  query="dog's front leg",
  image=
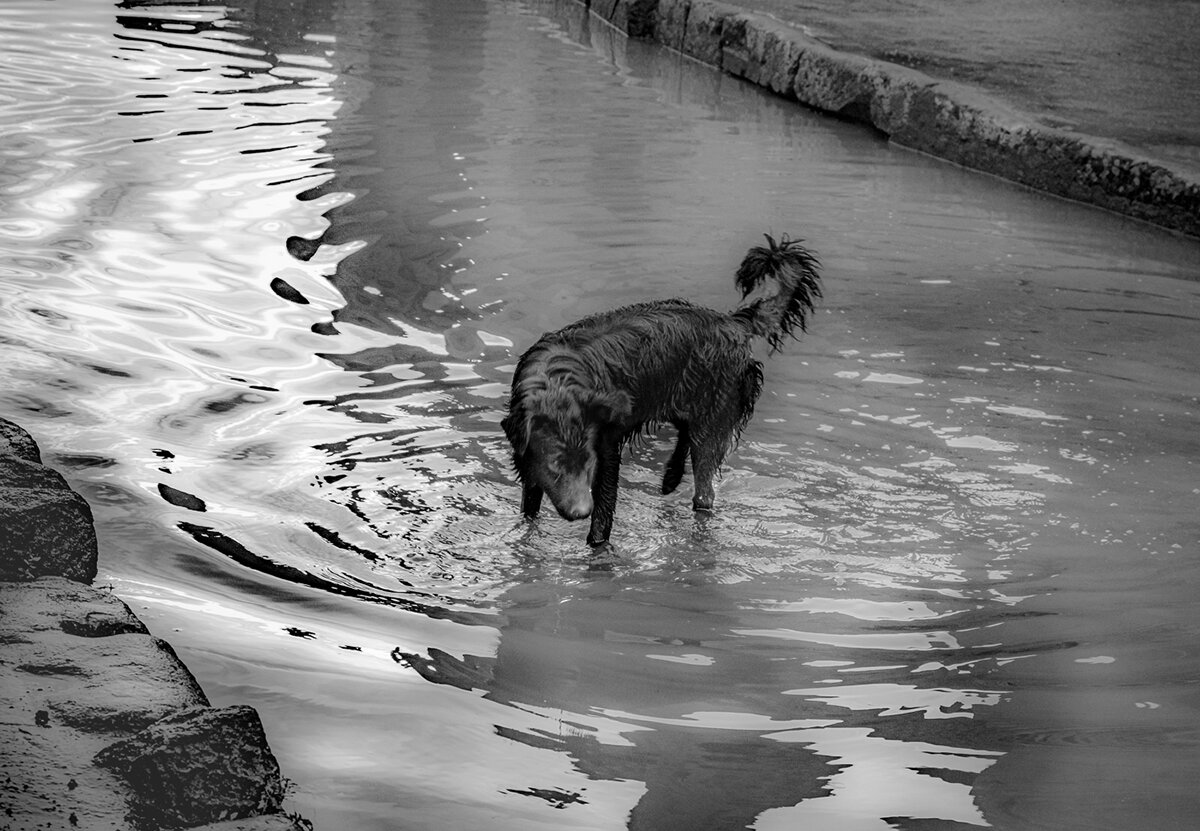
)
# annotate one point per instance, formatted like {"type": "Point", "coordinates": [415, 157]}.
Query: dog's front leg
{"type": "Point", "coordinates": [705, 495]}
{"type": "Point", "coordinates": [531, 499]}
{"type": "Point", "coordinates": [604, 487]}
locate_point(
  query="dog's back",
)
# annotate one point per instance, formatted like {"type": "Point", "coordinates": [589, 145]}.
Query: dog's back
{"type": "Point", "coordinates": [670, 356]}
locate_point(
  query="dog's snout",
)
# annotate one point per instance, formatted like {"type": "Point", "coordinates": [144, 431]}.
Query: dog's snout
{"type": "Point", "coordinates": [575, 510]}
{"type": "Point", "coordinates": [572, 499]}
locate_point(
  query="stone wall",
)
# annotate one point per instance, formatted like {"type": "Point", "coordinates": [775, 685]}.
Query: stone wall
{"type": "Point", "coordinates": [941, 118]}
{"type": "Point", "coordinates": [103, 725]}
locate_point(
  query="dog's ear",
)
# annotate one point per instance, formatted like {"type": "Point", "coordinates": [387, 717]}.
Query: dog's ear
{"type": "Point", "coordinates": [517, 427]}
{"type": "Point", "coordinates": [611, 407]}
{"type": "Point", "coordinates": [520, 425]}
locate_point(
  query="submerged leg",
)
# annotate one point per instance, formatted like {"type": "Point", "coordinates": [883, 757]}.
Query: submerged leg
{"type": "Point", "coordinates": [531, 499]}
{"type": "Point", "coordinates": [704, 472]}
{"type": "Point", "coordinates": [604, 487]}
{"type": "Point", "coordinates": [708, 451]}
{"type": "Point", "coordinates": [674, 472]}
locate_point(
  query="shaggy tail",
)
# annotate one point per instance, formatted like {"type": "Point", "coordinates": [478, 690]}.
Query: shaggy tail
{"type": "Point", "coordinates": [794, 269]}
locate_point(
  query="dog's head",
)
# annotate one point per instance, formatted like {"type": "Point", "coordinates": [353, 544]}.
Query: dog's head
{"type": "Point", "coordinates": [554, 433]}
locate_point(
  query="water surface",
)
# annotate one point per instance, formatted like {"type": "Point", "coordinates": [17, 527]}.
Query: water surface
{"type": "Point", "coordinates": [265, 273]}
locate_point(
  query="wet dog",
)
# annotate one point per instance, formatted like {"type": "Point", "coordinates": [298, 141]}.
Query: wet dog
{"type": "Point", "coordinates": [581, 393]}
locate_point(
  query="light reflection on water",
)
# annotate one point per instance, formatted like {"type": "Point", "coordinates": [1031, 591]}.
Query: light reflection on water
{"type": "Point", "coordinates": [265, 277]}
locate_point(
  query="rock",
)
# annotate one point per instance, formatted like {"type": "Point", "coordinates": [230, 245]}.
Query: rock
{"type": "Point", "coordinates": [270, 822]}
{"type": "Point", "coordinates": [197, 766]}
{"type": "Point", "coordinates": [126, 683]}
{"type": "Point", "coordinates": [79, 671]}
{"type": "Point", "coordinates": [80, 654]}
{"type": "Point", "coordinates": [46, 532]}
{"type": "Point", "coordinates": [58, 604]}
{"type": "Point", "coordinates": [16, 472]}
{"type": "Point", "coordinates": [634, 17]}
{"type": "Point", "coordinates": [75, 657]}
{"type": "Point", "coordinates": [46, 776]}
{"type": "Point", "coordinates": [704, 32]}
{"type": "Point", "coordinates": [16, 442]}
{"type": "Point", "coordinates": [670, 23]}
{"type": "Point", "coordinates": [45, 527]}
{"type": "Point", "coordinates": [765, 54]}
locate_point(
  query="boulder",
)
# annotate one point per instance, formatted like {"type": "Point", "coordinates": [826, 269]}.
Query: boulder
{"type": "Point", "coordinates": [46, 532]}
{"type": "Point", "coordinates": [78, 671]}
{"type": "Point", "coordinates": [267, 822]}
{"type": "Point", "coordinates": [200, 765]}
{"type": "Point", "coordinates": [45, 527]}
{"type": "Point", "coordinates": [124, 683]}
{"type": "Point", "coordinates": [56, 604]}
{"type": "Point", "coordinates": [15, 441]}
{"type": "Point", "coordinates": [79, 655]}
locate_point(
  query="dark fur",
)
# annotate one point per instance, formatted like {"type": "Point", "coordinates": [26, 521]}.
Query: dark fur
{"type": "Point", "coordinates": [581, 393]}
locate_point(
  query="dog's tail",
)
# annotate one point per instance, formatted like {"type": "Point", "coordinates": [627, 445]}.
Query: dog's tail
{"type": "Point", "coordinates": [794, 270]}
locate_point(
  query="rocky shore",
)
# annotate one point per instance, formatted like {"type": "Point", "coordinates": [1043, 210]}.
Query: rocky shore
{"type": "Point", "coordinates": [941, 118]}
{"type": "Point", "coordinates": [103, 726]}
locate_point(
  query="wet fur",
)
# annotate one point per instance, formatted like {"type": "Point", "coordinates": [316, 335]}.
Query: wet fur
{"type": "Point", "coordinates": [581, 393]}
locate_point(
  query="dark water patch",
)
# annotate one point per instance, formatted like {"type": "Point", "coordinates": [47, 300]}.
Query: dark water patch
{"type": "Point", "coordinates": [238, 553]}
{"type": "Point", "coordinates": [181, 499]}
{"type": "Point", "coordinates": [287, 292]}
{"type": "Point", "coordinates": [83, 461]}
{"type": "Point", "coordinates": [332, 537]}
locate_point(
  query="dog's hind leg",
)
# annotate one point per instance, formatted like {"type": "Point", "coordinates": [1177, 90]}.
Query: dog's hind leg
{"type": "Point", "coordinates": [604, 486]}
{"type": "Point", "coordinates": [715, 431]}
{"type": "Point", "coordinates": [704, 470]}
{"type": "Point", "coordinates": [674, 472]}
{"type": "Point", "coordinates": [531, 499]}
{"type": "Point", "coordinates": [709, 444]}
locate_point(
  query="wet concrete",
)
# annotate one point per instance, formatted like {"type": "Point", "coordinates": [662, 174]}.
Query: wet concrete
{"type": "Point", "coordinates": [951, 120]}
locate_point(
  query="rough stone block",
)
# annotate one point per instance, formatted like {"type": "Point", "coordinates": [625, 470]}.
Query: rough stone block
{"type": "Point", "coordinates": [635, 18]}
{"type": "Point", "coordinates": [16, 472]}
{"type": "Point", "coordinates": [841, 84]}
{"type": "Point", "coordinates": [16, 441]}
{"type": "Point", "coordinates": [704, 31]}
{"type": "Point", "coordinates": [671, 24]}
{"type": "Point", "coordinates": [56, 604]}
{"type": "Point", "coordinates": [198, 766]}
{"type": "Point", "coordinates": [269, 822]}
{"type": "Point", "coordinates": [763, 52]}
{"type": "Point", "coordinates": [46, 532]}
{"type": "Point", "coordinates": [123, 683]}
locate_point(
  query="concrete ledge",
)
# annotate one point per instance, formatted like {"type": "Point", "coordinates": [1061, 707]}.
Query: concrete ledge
{"type": "Point", "coordinates": [944, 119]}
{"type": "Point", "coordinates": [103, 725]}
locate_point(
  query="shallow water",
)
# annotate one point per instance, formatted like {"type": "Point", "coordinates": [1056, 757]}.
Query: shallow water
{"type": "Point", "coordinates": [265, 273]}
